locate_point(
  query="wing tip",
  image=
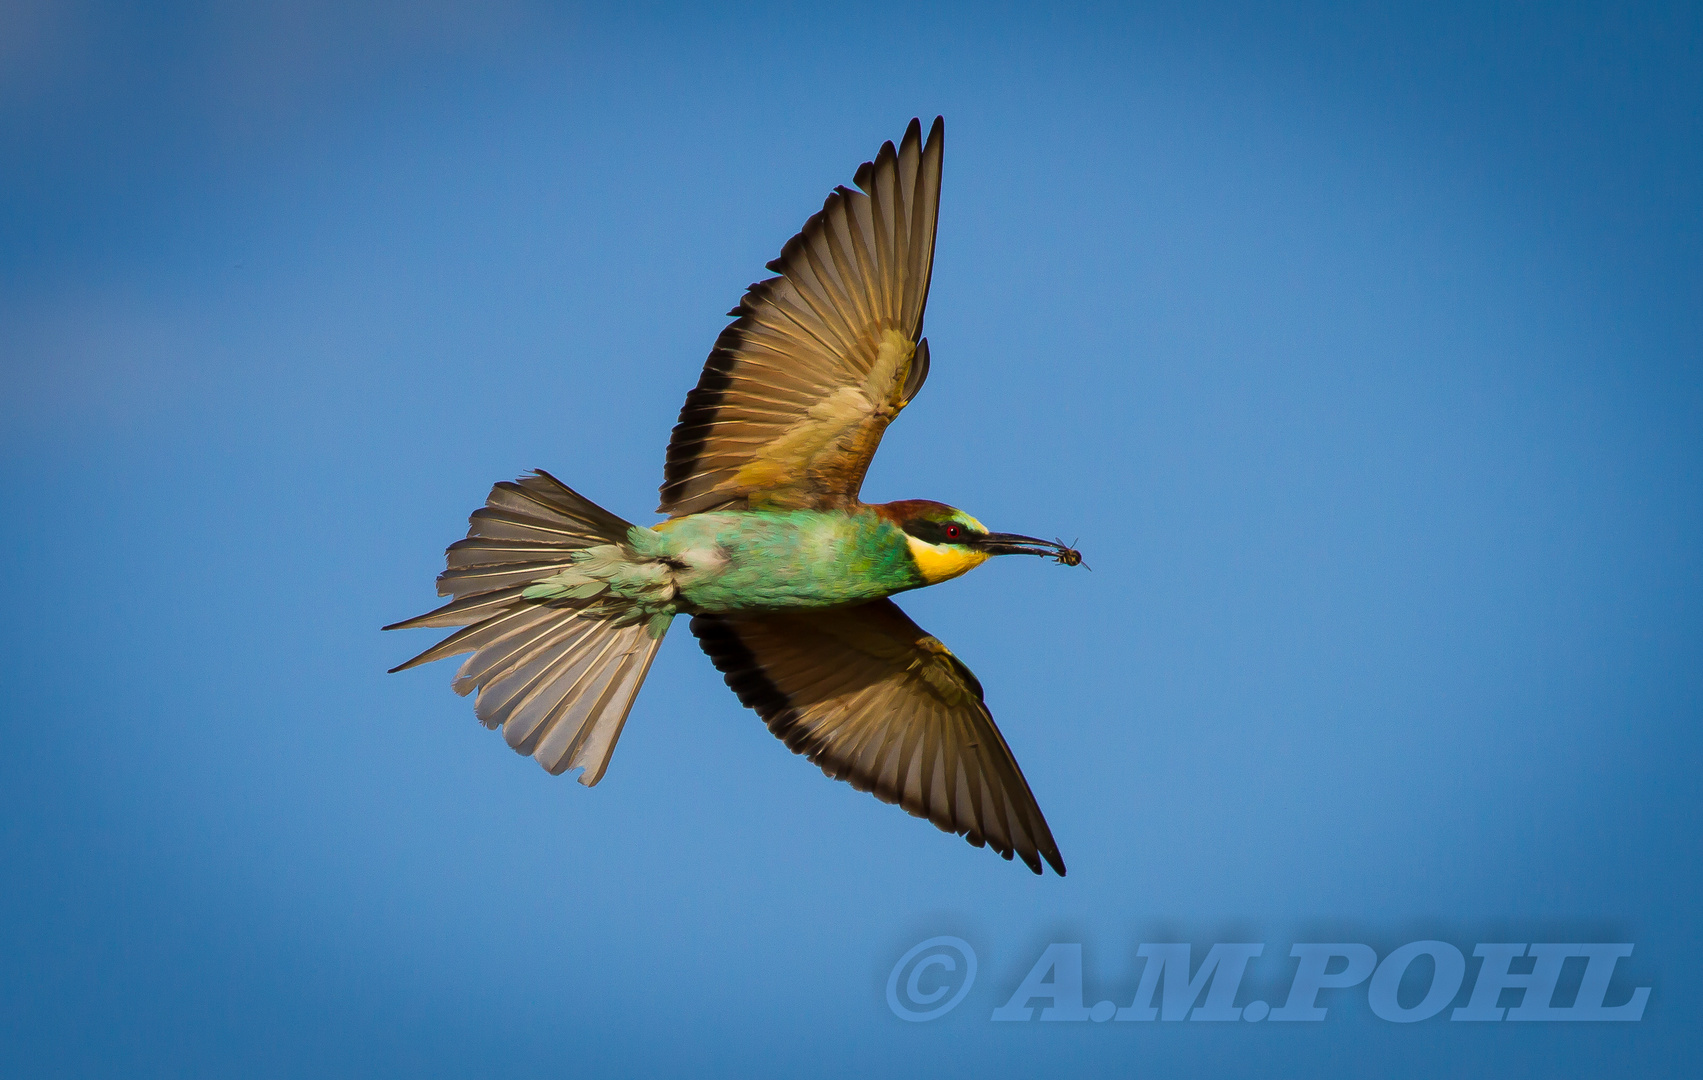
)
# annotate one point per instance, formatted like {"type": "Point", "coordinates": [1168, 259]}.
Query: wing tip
{"type": "Point", "coordinates": [1032, 859]}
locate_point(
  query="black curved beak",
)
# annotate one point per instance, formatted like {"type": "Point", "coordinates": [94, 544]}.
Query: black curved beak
{"type": "Point", "coordinates": [1018, 544]}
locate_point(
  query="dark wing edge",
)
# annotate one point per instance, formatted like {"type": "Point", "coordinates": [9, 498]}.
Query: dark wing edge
{"type": "Point", "coordinates": [842, 267]}
{"type": "Point", "coordinates": [940, 760]}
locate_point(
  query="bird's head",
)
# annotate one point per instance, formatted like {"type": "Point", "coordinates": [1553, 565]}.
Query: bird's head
{"type": "Point", "coordinates": [945, 542]}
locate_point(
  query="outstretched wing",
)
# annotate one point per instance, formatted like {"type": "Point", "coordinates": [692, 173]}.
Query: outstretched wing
{"type": "Point", "coordinates": [817, 362]}
{"type": "Point", "coordinates": [873, 699]}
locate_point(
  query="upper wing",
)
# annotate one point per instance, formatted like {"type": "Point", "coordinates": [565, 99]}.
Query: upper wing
{"type": "Point", "coordinates": [817, 362]}
{"type": "Point", "coordinates": [873, 699]}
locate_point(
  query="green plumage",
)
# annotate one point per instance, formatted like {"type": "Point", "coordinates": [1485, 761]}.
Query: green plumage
{"type": "Point", "coordinates": [733, 561]}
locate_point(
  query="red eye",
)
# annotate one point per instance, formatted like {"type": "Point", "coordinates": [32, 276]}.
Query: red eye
{"type": "Point", "coordinates": [953, 532]}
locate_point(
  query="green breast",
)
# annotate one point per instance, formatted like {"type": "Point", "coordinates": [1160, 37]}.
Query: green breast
{"type": "Point", "coordinates": [785, 560]}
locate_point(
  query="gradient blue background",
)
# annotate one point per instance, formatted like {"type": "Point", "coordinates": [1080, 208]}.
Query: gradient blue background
{"type": "Point", "coordinates": [1360, 347]}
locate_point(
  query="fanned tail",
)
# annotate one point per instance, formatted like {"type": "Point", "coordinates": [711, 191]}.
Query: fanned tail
{"type": "Point", "coordinates": [559, 676]}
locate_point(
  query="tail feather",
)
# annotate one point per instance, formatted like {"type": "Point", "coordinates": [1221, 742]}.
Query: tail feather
{"type": "Point", "coordinates": [518, 647]}
{"type": "Point", "coordinates": [485, 550]}
{"type": "Point", "coordinates": [468, 609]}
{"type": "Point", "coordinates": [507, 525]}
{"type": "Point", "coordinates": [549, 502]}
{"type": "Point", "coordinates": [525, 699]}
{"type": "Point", "coordinates": [578, 726]}
{"type": "Point", "coordinates": [558, 678]}
{"type": "Point", "coordinates": [596, 742]}
{"type": "Point", "coordinates": [466, 580]}
{"type": "Point", "coordinates": [487, 630]}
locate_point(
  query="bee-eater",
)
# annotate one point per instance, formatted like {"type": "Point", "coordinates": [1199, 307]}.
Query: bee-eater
{"type": "Point", "coordinates": [785, 572]}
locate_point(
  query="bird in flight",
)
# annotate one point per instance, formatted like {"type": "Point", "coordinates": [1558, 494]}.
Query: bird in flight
{"type": "Point", "coordinates": [787, 575]}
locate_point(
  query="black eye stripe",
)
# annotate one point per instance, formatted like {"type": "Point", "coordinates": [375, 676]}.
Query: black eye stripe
{"type": "Point", "coordinates": [937, 532]}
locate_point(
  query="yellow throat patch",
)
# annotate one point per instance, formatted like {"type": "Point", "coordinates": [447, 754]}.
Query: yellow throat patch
{"type": "Point", "coordinates": [941, 562]}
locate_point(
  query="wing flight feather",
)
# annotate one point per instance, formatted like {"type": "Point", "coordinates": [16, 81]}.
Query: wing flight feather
{"type": "Point", "coordinates": [876, 701]}
{"type": "Point", "coordinates": [820, 359]}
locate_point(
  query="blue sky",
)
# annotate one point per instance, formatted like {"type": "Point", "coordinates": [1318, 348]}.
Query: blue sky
{"type": "Point", "coordinates": [1360, 348]}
